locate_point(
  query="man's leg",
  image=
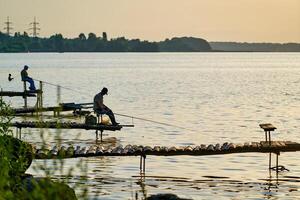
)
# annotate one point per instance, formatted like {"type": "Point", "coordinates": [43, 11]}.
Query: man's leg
{"type": "Point", "coordinates": [31, 82]}
{"type": "Point", "coordinates": [111, 116]}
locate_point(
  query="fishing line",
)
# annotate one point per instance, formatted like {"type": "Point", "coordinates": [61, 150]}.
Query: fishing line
{"type": "Point", "coordinates": [156, 122]}
{"type": "Point", "coordinates": [67, 88]}
{"type": "Point", "coordinates": [123, 115]}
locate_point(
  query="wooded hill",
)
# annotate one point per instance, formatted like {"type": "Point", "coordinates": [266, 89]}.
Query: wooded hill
{"type": "Point", "coordinates": [92, 43]}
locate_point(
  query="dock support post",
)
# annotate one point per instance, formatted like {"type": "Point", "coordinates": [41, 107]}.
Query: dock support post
{"type": "Point", "coordinates": [25, 96]}
{"type": "Point", "coordinates": [277, 154]}
{"type": "Point", "coordinates": [18, 133]}
{"type": "Point", "coordinates": [58, 93]}
{"type": "Point", "coordinates": [101, 136]}
{"type": "Point", "coordinates": [277, 167]}
{"type": "Point", "coordinates": [143, 164]}
{"type": "Point", "coordinates": [40, 97]}
{"type": "Point", "coordinates": [266, 134]}
{"type": "Point", "coordinates": [270, 160]}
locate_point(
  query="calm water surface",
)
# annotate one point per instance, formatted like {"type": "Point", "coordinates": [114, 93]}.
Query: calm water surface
{"type": "Point", "coordinates": [219, 97]}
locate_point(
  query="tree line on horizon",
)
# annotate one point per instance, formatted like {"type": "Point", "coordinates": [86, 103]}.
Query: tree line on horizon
{"type": "Point", "coordinates": [93, 43]}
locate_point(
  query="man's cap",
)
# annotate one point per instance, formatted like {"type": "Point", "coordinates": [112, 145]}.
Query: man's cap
{"type": "Point", "coordinates": [26, 67]}
{"type": "Point", "coordinates": [104, 90]}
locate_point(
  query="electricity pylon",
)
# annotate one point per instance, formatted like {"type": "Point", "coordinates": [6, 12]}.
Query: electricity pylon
{"type": "Point", "coordinates": [34, 28]}
{"type": "Point", "coordinates": [8, 27]}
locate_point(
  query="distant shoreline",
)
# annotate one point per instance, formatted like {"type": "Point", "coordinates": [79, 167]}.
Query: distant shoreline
{"type": "Point", "coordinates": [23, 43]}
{"type": "Point", "coordinates": [255, 47]}
{"type": "Point", "coordinates": [213, 51]}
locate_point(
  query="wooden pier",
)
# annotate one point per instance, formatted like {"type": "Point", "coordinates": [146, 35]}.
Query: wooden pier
{"type": "Point", "coordinates": [63, 107]}
{"type": "Point", "coordinates": [17, 94]}
{"type": "Point", "coordinates": [66, 125]}
{"type": "Point", "coordinates": [26, 93]}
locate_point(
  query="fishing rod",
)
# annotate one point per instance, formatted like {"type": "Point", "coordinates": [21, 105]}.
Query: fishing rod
{"type": "Point", "coordinates": [123, 115]}
{"type": "Point", "coordinates": [67, 88]}
{"type": "Point", "coordinates": [156, 122]}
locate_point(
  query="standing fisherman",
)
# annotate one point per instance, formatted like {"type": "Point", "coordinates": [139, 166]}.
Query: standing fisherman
{"type": "Point", "coordinates": [25, 77]}
{"type": "Point", "coordinates": [100, 108]}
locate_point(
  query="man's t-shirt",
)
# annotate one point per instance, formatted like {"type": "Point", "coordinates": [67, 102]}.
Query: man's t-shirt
{"type": "Point", "coordinates": [98, 101]}
{"type": "Point", "coordinates": [24, 74]}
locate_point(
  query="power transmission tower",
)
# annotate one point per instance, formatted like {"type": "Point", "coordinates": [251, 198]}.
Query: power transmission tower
{"type": "Point", "coordinates": [34, 28]}
{"type": "Point", "coordinates": [8, 27]}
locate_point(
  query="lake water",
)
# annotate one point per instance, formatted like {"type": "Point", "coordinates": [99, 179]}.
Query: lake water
{"type": "Point", "coordinates": [217, 97]}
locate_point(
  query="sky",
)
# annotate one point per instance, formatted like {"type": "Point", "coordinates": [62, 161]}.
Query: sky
{"type": "Point", "coordinates": [156, 20]}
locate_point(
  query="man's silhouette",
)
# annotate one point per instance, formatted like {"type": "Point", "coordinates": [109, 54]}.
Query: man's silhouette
{"type": "Point", "coordinates": [25, 77]}
{"type": "Point", "coordinates": [100, 108]}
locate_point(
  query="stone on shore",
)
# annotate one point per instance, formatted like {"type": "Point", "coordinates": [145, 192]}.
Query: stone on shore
{"type": "Point", "coordinates": [165, 197]}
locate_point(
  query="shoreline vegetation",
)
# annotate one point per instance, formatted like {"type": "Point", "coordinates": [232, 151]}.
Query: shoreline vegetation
{"type": "Point", "coordinates": [16, 157]}
{"type": "Point", "coordinates": [23, 43]}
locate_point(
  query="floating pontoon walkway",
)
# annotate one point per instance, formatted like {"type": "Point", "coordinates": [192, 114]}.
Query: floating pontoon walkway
{"type": "Point", "coordinates": [275, 147]}
{"type": "Point", "coordinates": [134, 150]}
{"type": "Point", "coordinates": [267, 146]}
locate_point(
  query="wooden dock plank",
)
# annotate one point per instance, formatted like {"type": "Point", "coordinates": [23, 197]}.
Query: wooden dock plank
{"type": "Point", "coordinates": [67, 125]}
{"type": "Point", "coordinates": [17, 94]}
{"type": "Point", "coordinates": [45, 109]}
{"type": "Point", "coordinates": [62, 108]}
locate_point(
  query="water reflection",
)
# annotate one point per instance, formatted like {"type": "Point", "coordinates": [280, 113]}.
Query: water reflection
{"type": "Point", "coordinates": [223, 96]}
{"type": "Point", "coordinates": [104, 183]}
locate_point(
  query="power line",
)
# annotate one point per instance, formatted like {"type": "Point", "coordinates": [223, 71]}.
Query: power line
{"type": "Point", "coordinates": [8, 27]}
{"type": "Point", "coordinates": [34, 28]}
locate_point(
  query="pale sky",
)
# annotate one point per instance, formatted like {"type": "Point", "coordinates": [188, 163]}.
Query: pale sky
{"type": "Point", "coordinates": [154, 20]}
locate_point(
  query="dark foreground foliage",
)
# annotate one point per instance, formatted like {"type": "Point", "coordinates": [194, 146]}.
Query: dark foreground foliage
{"type": "Point", "coordinates": [15, 158]}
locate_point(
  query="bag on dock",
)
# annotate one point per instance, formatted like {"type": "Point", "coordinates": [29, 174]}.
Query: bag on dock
{"type": "Point", "coordinates": [90, 120]}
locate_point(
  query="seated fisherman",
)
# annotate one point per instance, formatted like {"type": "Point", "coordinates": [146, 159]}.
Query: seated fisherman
{"type": "Point", "coordinates": [10, 78]}
{"type": "Point", "coordinates": [100, 108]}
{"type": "Point", "coordinates": [25, 77]}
